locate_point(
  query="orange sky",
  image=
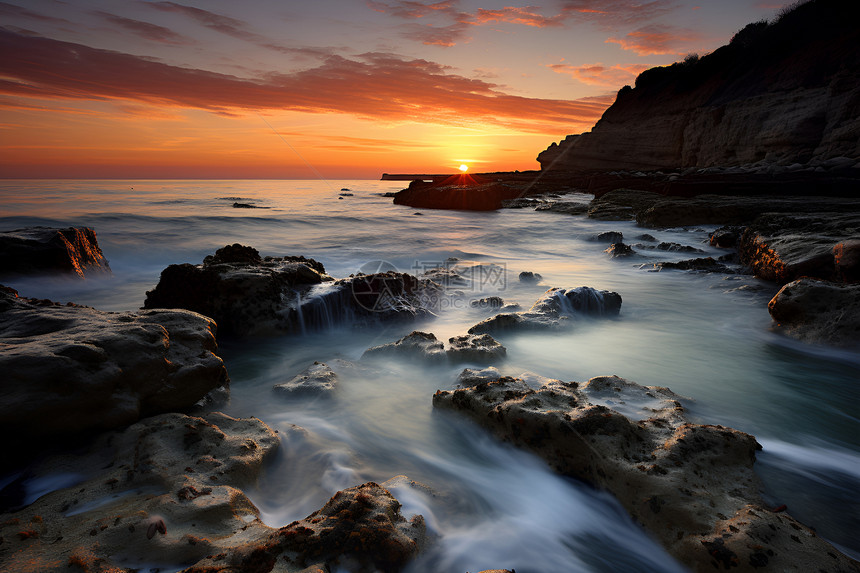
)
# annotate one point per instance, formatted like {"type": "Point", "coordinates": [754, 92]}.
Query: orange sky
{"type": "Point", "coordinates": [340, 89]}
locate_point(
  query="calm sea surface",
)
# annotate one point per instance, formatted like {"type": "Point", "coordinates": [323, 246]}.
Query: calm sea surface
{"type": "Point", "coordinates": [700, 335]}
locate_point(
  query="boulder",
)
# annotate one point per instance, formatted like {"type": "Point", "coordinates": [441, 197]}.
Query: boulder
{"type": "Point", "coordinates": [70, 369]}
{"type": "Point", "coordinates": [554, 309]}
{"type": "Point", "coordinates": [477, 348]}
{"type": "Point", "coordinates": [617, 250]}
{"type": "Point", "coordinates": [250, 295]}
{"type": "Point", "coordinates": [782, 247]}
{"type": "Point", "coordinates": [692, 486]}
{"type": "Point", "coordinates": [819, 311]}
{"type": "Point", "coordinates": [491, 302]}
{"type": "Point", "coordinates": [609, 237]}
{"type": "Point", "coordinates": [73, 251]}
{"type": "Point", "coordinates": [530, 277]}
{"type": "Point", "coordinates": [360, 529]}
{"type": "Point", "coordinates": [702, 264]}
{"type": "Point", "coordinates": [315, 380]}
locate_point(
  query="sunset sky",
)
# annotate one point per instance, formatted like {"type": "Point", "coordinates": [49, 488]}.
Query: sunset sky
{"type": "Point", "coordinates": [330, 88]}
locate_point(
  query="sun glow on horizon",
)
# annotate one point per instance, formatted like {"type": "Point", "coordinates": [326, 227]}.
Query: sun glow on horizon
{"type": "Point", "coordinates": [463, 168]}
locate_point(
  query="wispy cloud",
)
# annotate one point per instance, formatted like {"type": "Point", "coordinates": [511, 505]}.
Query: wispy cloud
{"type": "Point", "coordinates": [450, 24]}
{"type": "Point", "coordinates": [7, 9]}
{"type": "Point", "coordinates": [414, 89]}
{"type": "Point", "coordinates": [525, 15]}
{"type": "Point", "coordinates": [600, 75]}
{"type": "Point", "coordinates": [656, 40]}
{"type": "Point", "coordinates": [614, 13]}
{"type": "Point", "coordinates": [143, 29]}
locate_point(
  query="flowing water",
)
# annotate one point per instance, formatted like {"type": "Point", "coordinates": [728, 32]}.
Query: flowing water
{"type": "Point", "coordinates": [707, 337]}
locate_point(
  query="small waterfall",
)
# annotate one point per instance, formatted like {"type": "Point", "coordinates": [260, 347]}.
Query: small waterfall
{"type": "Point", "coordinates": [587, 301]}
{"type": "Point", "coordinates": [325, 306]}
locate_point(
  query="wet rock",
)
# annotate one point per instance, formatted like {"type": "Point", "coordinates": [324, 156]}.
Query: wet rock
{"type": "Point", "coordinates": [472, 195]}
{"type": "Point", "coordinates": [726, 237]}
{"type": "Point", "coordinates": [647, 237]}
{"type": "Point", "coordinates": [565, 207]}
{"type": "Point", "coordinates": [420, 345]}
{"type": "Point", "coordinates": [846, 258]}
{"type": "Point", "coordinates": [481, 348]}
{"type": "Point", "coordinates": [424, 346]}
{"type": "Point", "coordinates": [492, 302]}
{"type": "Point", "coordinates": [677, 248]}
{"type": "Point", "coordinates": [163, 491]}
{"type": "Point", "coordinates": [34, 250]}
{"type": "Point", "coordinates": [693, 486]}
{"type": "Point", "coordinates": [530, 277]}
{"type": "Point", "coordinates": [554, 309]}
{"type": "Point", "coordinates": [617, 250]}
{"type": "Point", "coordinates": [703, 264]}
{"type": "Point", "coordinates": [609, 237]}
{"type": "Point", "coordinates": [781, 247]}
{"type": "Point", "coordinates": [69, 370]}
{"type": "Point", "coordinates": [360, 529]}
{"type": "Point", "coordinates": [819, 311]}
{"type": "Point", "coordinates": [315, 380]}
{"type": "Point", "coordinates": [621, 204]}
{"type": "Point", "coordinates": [472, 377]}
{"type": "Point", "coordinates": [250, 295]}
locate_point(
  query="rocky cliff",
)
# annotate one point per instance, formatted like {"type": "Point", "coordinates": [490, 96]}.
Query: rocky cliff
{"type": "Point", "coordinates": [784, 94]}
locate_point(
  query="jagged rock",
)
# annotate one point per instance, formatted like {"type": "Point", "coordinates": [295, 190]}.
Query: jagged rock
{"type": "Point", "coordinates": [819, 311]}
{"type": "Point", "coordinates": [621, 204]}
{"type": "Point", "coordinates": [846, 259]}
{"type": "Point", "coordinates": [162, 492]}
{"type": "Point", "coordinates": [73, 250]}
{"type": "Point", "coordinates": [782, 93]}
{"type": "Point", "coordinates": [424, 346]}
{"type": "Point", "coordinates": [474, 195]}
{"type": "Point", "coordinates": [609, 237]}
{"type": "Point", "coordinates": [693, 486]}
{"type": "Point", "coordinates": [246, 294]}
{"type": "Point", "coordinates": [782, 247]}
{"type": "Point", "coordinates": [472, 377]}
{"type": "Point", "coordinates": [421, 345]}
{"type": "Point", "coordinates": [530, 277]}
{"type": "Point", "coordinates": [616, 250]}
{"type": "Point", "coordinates": [317, 379]}
{"type": "Point", "coordinates": [554, 309]}
{"type": "Point", "coordinates": [677, 248]}
{"type": "Point", "coordinates": [72, 369]}
{"type": "Point", "coordinates": [703, 264]}
{"type": "Point", "coordinates": [566, 207]}
{"type": "Point", "coordinates": [475, 348]}
{"type": "Point", "coordinates": [492, 302]}
{"type": "Point", "coordinates": [360, 528]}
{"type": "Point", "coordinates": [726, 237]}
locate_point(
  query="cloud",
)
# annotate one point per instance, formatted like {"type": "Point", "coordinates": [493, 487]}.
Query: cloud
{"type": "Point", "coordinates": [375, 85]}
{"type": "Point", "coordinates": [21, 12]}
{"type": "Point", "coordinates": [411, 9]}
{"type": "Point", "coordinates": [614, 13]}
{"type": "Point", "coordinates": [600, 75]}
{"type": "Point", "coordinates": [144, 29]}
{"type": "Point", "coordinates": [218, 22]}
{"type": "Point", "coordinates": [656, 39]}
{"type": "Point", "coordinates": [526, 15]}
{"type": "Point", "coordinates": [444, 36]}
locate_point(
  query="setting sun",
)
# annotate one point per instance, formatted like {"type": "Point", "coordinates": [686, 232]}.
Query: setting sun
{"type": "Point", "coordinates": [464, 168]}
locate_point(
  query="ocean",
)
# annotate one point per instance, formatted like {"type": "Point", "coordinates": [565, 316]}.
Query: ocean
{"type": "Point", "coordinates": [707, 337]}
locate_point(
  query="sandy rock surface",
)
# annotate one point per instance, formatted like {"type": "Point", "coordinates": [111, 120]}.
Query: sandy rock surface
{"type": "Point", "coordinates": [691, 485]}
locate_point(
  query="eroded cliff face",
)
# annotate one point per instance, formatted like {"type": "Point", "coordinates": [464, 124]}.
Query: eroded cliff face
{"type": "Point", "coordinates": [784, 93]}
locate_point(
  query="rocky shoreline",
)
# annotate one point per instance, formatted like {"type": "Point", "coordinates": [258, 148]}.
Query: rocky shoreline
{"type": "Point", "coordinates": [172, 469]}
